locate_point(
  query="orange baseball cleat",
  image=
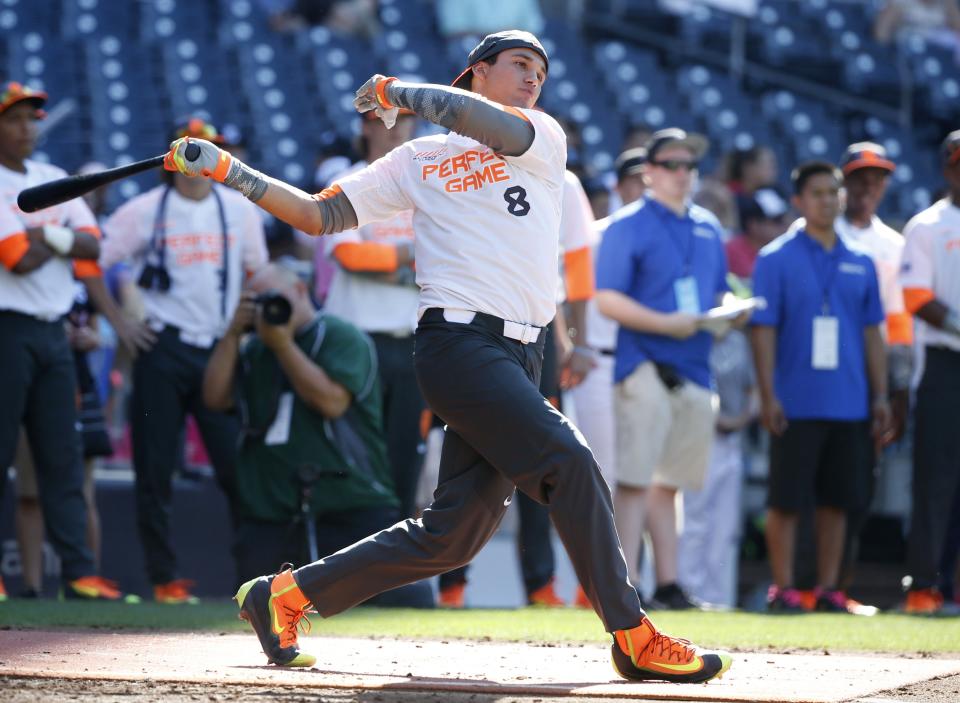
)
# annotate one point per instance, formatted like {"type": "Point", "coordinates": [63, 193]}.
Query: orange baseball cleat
{"type": "Point", "coordinates": [275, 606]}
{"type": "Point", "coordinates": [645, 654]}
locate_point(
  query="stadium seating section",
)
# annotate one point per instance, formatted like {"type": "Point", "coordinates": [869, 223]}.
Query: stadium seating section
{"type": "Point", "coordinates": [122, 70]}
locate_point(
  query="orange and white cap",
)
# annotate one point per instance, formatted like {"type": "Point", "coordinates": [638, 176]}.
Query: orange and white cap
{"type": "Point", "coordinates": [865, 155]}
{"type": "Point", "coordinates": [14, 92]}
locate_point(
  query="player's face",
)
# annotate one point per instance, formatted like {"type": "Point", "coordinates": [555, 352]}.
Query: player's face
{"type": "Point", "coordinates": [819, 202]}
{"type": "Point", "coordinates": [18, 131]}
{"type": "Point", "coordinates": [670, 175]}
{"type": "Point", "coordinates": [865, 190]}
{"type": "Point", "coordinates": [515, 79]}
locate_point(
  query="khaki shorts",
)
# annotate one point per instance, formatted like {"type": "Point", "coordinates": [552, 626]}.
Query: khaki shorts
{"type": "Point", "coordinates": [663, 437]}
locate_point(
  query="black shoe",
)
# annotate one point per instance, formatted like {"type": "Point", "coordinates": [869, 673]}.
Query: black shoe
{"type": "Point", "coordinates": [671, 597]}
{"type": "Point", "coordinates": [30, 593]}
{"type": "Point", "coordinates": [831, 601]}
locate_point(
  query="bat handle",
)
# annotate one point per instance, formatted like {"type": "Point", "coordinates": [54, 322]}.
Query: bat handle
{"type": "Point", "coordinates": [192, 152]}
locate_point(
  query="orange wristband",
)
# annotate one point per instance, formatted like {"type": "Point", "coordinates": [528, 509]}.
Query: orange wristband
{"type": "Point", "coordinates": [381, 93]}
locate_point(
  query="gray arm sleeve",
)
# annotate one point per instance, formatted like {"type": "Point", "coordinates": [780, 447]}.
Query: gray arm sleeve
{"type": "Point", "coordinates": [465, 113]}
{"type": "Point", "coordinates": [336, 211]}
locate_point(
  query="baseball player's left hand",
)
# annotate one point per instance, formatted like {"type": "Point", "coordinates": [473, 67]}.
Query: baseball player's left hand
{"type": "Point", "coordinates": [213, 162]}
{"type": "Point", "coordinates": [372, 96]}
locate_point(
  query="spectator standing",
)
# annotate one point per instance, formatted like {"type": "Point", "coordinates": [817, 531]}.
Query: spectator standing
{"type": "Point", "coordinates": [41, 253]}
{"type": "Point", "coordinates": [761, 216]}
{"type": "Point", "coordinates": [374, 287]}
{"type": "Point", "coordinates": [866, 172]}
{"type": "Point", "coordinates": [821, 370]}
{"type": "Point", "coordinates": [930, 275]}
{"type": "Point", "coordinates": [192, 244]}
{"type": "Point", "coordinates": [661, 264]}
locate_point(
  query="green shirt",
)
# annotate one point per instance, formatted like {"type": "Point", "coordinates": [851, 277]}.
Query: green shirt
{"type": "Point", "coordinates": [284, 439]}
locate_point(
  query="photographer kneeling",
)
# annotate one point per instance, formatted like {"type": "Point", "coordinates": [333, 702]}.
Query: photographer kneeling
{"type": "Point", "coordinates": [312, 473]}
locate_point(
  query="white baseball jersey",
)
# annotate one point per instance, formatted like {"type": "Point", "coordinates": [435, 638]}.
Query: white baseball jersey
{"type": "Point", "coordinates": [931, 265]}
{"type": "Point", "coordinates": [885, 247]}
{"type": "Point", "coordinates": [601, 330]}
{"type": "Point", "coordinates": [47, 291]}
{"type": "Point", "coordinates": [194, 249]}
{"type": "Point", "coordinates": [487, 226]}
{"type": "Point", "coordinates": [372, 305]}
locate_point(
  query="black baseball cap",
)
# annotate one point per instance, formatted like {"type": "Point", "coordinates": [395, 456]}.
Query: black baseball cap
{"type": "Point", "coordinates": [493, 44]}
{"type": "Point", "coordinates": [950, 148]}
{"type": "Point", "coordinates": [697, 144]}
{"type": "Point", "coordinates": [630, 162]}
{"type": "Point", "coordinates": [865, 155]}
{"type": "Point", "coordinates": [764, 204]}
{"type": "Point", "coordinates": [14, 92]}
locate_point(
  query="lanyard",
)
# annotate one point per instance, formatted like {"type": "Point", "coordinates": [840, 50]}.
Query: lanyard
{"type": "Point", "coordinates": [158, 242]}
{"type": "Point", "coordinates": [824, 279]}
{"type": "Point", "coordinates": [684, 249]}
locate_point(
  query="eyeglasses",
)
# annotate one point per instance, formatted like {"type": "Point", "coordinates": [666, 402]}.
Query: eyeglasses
{"type": "Point", "coordinates": [675, 165]}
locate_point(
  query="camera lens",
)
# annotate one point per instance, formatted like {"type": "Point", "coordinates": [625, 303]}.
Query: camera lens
{"type": "Point", "coordinates": [275, 308]}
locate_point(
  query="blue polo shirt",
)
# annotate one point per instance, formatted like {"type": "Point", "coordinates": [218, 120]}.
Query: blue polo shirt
{"type": "Point", "coordinates": [646, 248]}
{"type": "Point", "coordinates": [793, 272]}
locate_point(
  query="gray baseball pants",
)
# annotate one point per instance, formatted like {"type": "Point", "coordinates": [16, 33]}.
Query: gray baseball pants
{"type": "Point", "coordinates": [501, 435]}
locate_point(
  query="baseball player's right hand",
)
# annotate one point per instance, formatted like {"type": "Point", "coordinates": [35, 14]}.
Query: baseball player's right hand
{"type": "Point", "coordinates": [213, 162]}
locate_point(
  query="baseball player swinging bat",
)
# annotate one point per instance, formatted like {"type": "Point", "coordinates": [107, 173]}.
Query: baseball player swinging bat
{"type": "Point", "coordinates": [61, 190]}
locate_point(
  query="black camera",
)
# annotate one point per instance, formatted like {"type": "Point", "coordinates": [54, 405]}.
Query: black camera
{"type": "Point", "coordinates": [154, 278]}
{"type": "Point", "coordinates": [274, 307]}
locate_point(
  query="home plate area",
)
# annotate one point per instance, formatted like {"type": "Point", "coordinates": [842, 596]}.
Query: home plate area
{"type": "Point", "coordinates": [454, 666]}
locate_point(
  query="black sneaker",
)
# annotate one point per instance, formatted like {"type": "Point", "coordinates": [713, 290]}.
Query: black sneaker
{"type": "Point", "coordinates": [831, 601]}
{"type": "Point", "coordinates": [671, 597]}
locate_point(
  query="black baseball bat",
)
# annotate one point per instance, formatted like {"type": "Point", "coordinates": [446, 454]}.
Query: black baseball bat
{"type": "Point", "coordinates": [63, 189]}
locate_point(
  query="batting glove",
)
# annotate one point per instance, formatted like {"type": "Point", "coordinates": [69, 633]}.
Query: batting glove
{"type": "Point", "coordinates": [213, 162]}
{"type": "Point", "coordinates": [372, 95]}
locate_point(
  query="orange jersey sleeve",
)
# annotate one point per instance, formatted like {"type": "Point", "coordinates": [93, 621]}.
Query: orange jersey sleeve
{"type": "Point", "coordinates": [916, 298]}
{"type": "Point", "coordinates": [578, 269]}
{"type": "Point", "coordinates": [366, 256]}
{"type": "Point", "coordinates": [13, 248]}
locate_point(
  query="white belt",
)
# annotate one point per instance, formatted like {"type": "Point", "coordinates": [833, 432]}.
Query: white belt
{"type": "Point", "coordinates": [205, 341]}
{"type": "Point", "coordinates": [514, 330]}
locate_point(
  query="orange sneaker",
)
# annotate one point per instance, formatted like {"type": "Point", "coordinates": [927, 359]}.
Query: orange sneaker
{"type": "Point", "coordinates": [924, 601]}
{"type": "Point", "coordinates": [96, 588]}
{"type": "Point", "coordinates": [274, 606]}
{"type": "Point", "coordinates": [581, 600]}
{"type": "Point", "coordinates": [3, 591]}
{"type": "Point", "coordinates": [452, 596]}
{"type": "Point", "coordinates": [546, 596]}
{"type": "Point", "coordinates": [175, 593]}
{"type": "Point", "coordinates": [644, 654]}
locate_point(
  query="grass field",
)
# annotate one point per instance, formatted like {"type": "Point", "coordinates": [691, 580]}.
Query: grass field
{"type": "Point", "coordinates": [742, 631]}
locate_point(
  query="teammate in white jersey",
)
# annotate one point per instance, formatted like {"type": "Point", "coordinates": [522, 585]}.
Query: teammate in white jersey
{"type": "Point", "coordinates": [374, 287]}
{"type": "Point", "coordinates": [486, 201]}
{"type": "Point", "coordinates": [930, 275]}
{"type": "Point", "coordinates": [192, 244]}
{"type": "Point", "coordinates": [41, 253]}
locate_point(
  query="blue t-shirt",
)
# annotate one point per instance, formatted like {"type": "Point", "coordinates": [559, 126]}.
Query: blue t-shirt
{"type": "Point", "coordinates": [646, 248]}
{"type": "Point", "coordinates": [793, 273]}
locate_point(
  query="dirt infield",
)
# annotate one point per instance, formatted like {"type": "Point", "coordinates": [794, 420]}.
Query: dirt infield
{"type": "Point", "coordinates": [85, 665]}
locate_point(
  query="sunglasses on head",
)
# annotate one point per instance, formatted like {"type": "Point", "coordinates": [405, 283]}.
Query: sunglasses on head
{"type": "Point", "coordinates": [676, 164]}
